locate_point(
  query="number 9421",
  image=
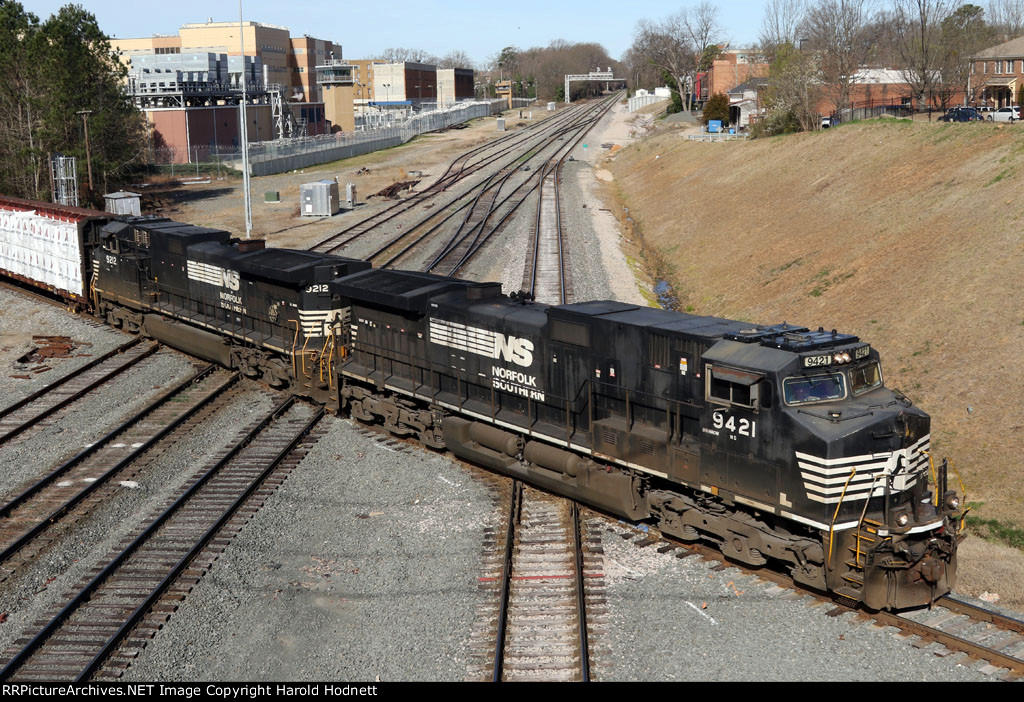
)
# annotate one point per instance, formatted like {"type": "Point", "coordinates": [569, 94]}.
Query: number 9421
{"type": "Point", "coordinates": [743, 427]}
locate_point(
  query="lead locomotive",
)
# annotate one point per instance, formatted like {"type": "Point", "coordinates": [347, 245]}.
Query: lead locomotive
{"type": "Point", "coordinates": [776, 442]}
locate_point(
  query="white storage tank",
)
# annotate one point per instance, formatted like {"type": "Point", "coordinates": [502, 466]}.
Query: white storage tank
{"type": "Point", "coordinates": [319, 199]}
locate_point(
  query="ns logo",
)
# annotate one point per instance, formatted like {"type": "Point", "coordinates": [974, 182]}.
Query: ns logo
{"type": "Point", "coordinates": [230, 279]}
{"type": "Point", "coordinates": [513, 349]}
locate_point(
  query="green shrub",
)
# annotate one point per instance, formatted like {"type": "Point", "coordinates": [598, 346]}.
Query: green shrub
{"type": "Point", "coordinates": [776, 122]}
{"type": "Point", "coordinates": [717, 107]}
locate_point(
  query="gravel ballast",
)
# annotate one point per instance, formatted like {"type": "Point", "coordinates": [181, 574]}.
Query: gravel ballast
{"type": "Point", "coordinates": [676, 619]}
{"type": "Point", "coordinates": [21, 317]}
{"type": "Point", "coordinates": [363, 564]}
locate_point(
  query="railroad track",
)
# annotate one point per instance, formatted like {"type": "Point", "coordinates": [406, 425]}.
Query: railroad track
{"type": "Point", "coordinates": [955, 625]}
{"type": "Point", "coordinates": [415, 233]}
{"type": "Point", "coordinates": [546, 275]}
{"type": "Point", "coordinates": [542, 578]}
{"type": "Point", "coordinates": [459, 169]}
{"type": "Point", "coordinates": [103, 624]}
{"type": "Point", "coordinates": [458, 254]}
{"type": "Point", "coordinates": [30, 411]}
{"type": "Point", "coordinates": [37, 506]}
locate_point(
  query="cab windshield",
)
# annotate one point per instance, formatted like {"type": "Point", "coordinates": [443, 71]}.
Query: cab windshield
{"type": "Point", "coordinates": [866, 377]}
{"type": "Point", "coordinates": [815, 388]}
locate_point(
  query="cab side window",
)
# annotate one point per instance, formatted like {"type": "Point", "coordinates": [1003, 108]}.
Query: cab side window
{"type": "Point", "coordinates": [732, 387]}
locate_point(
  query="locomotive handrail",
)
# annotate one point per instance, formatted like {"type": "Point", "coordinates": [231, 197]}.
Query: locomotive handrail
{"type": "Point", "coordinates": [832, 524]}
{"type": "Point", "coordinates": [935, 480]}
{"type": "Point", "coordinates": [863, 515]}
{"type": "Point", "coordinates": [295, 341]}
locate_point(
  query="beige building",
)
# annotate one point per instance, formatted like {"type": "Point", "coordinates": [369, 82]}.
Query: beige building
{"type": "Point", "coordinates": [286, 61]}
{"type": "Point", "coordinates": [363, 70]}
{"type": "Point", "coordinates": [306, 54]}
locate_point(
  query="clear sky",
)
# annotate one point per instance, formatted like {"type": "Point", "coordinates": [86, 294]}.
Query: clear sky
{"type": "Point", "coordinates": [478, 27]}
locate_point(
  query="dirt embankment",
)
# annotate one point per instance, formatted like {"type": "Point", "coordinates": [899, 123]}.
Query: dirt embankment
{"type": "Point", "coordinates": [909, 235]}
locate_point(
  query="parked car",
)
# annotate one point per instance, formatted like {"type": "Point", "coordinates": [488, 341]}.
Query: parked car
{"type": "Point", "coordinates": [1006, 114]}
{"type": "Point", "coordinates": [961, 114]}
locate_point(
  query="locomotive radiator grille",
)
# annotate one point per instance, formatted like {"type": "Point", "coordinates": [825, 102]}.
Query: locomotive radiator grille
{"type": "Point", "coordinates": [825, 478]}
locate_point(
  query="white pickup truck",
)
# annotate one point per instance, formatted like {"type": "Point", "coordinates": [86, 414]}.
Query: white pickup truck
{"type": "Point", "coordinates": [1005, 114]}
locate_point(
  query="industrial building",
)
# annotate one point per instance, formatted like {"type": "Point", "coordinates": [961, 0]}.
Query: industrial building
{"type": "Point", "coordinates": [190, 85]}
{"type": "Point", "coordinates": [454, 85]}
{"type": "Point", "coordinates": [404, 84]}
{"type": "Point", "coordinates": [284, 61]}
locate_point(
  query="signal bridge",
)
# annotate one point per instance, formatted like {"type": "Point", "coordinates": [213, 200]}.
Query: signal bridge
{"type": "Point", "coordinates": [607, 76]}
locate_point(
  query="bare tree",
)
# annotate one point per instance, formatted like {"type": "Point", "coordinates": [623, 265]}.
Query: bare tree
{"type": "Point", "coordinates": [666, 46]}
{"type": "Point", "coordinates": [792, 93]}
{"type": "Point", "coordinates": [640, 72]}
{"type": "Point", "coordinates": [704, 31]}
{"type": "Point", "coordinates": [918, 30]}
{"type": "Point", "coordinates": [1007, 17]}
{"type": "Point", "coordinates": [963, 33]}
{"type": "Point", "coordinates": [837, 31]}
{"type": "Point", "coordinates": [781, 25]}
{"type": "Point", "coordinates": [455, 59]}
{"type": "Point", "coordinates": [403, 55]}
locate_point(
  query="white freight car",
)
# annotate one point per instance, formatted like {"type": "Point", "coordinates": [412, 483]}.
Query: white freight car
{"type": "Point", "coordinates": [47, 245]}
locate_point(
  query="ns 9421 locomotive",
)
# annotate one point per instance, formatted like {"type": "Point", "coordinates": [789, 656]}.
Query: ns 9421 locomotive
{"type": "Point", "coordinates": [776, 442]}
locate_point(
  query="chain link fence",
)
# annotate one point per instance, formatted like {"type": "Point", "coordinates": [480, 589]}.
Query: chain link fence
{"type": "Point", "coordinates": [269, 157]}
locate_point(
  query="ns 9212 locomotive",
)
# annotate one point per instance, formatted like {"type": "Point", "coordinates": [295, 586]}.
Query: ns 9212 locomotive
{"type": "Point", "coordinates": [776, 442]}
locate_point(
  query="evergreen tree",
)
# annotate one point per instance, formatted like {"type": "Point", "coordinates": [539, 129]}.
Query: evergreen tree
{"type": "Point", "coordinates": [717, 107]}
{"type": "Point", "coordinates": [54, 71]}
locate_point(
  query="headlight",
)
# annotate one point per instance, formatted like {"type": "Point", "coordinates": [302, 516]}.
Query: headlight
{"type": "Point", "coordinates": [953, 502]}
{"type": "Point", "coordinates": [903, 519]}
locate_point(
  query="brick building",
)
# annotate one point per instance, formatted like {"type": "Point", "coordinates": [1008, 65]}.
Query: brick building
{"type": "Point", "coordinates": [997, 74]}
{"type": "Point", "coordinates": [731, 68]}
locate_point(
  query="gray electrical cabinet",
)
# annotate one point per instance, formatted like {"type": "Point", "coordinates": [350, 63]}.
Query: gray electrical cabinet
{"type": "Point", "coordinates": [350, 194]}
{"type": "Point", "coordinates": [123, 203]}
{"type": "Point", "coordinates": [319, 199]}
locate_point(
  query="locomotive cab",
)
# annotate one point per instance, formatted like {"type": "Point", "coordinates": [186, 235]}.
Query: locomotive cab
{"type": "Point", "coordinates": [857, 464]}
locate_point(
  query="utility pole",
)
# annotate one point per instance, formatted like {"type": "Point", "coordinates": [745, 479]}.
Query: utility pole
{"type": "Point", "coordinates": [88, 156]}
{"type": "Point", "coordinates": [244, 132]}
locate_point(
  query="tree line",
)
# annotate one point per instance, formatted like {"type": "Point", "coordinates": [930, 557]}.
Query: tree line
{"type": "Point", "coordinates": [57, 74]}
{"type": "Point", "coordinates": [815, 49]}
{"type": "Point", "coordinates": [537, 72]}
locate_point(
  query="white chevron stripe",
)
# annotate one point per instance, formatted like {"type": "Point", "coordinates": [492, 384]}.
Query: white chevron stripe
{"type": "Point", "coordinates": [825, 479]}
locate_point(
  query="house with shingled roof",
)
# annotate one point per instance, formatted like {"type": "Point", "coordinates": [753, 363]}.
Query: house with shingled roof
{"type": "Point", "coordinates": [997, 74]}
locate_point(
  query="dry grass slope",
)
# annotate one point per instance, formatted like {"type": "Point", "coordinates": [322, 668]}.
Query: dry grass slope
{"type": "Point", "coordinates": [909, 235]}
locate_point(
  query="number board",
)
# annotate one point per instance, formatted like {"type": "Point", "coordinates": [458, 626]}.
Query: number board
{"type": "Point", "coordinates": [815, 361]}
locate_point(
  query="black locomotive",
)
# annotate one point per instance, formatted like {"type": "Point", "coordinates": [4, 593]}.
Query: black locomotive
{"type": "Point", "coordinates": [777, 442]}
